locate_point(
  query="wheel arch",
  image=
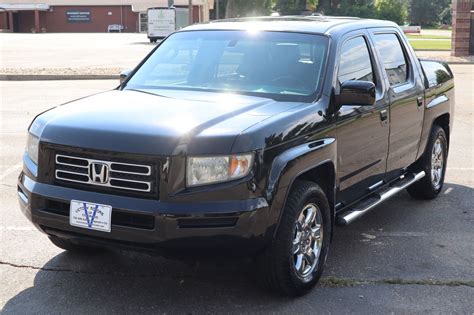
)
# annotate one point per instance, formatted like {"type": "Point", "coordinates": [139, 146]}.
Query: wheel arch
{"type": "Point", "coordinates": [314, 162]}
{"type": "Point", "coordinates": [444, 122]}
{"type": "Point", "coordinates": [323, 175]}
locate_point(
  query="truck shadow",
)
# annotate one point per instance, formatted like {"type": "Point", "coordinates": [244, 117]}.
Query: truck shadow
{"type": "Point", "coordinates": [124, 282]}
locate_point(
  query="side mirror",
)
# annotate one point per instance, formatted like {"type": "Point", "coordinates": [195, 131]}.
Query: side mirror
{"type": "Point", "coordinates": [124, 75]}
{"type": "Point", "coordinates": [360, 93]}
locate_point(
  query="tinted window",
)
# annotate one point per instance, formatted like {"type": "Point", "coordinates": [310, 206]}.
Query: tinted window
{"type": "Point", "coordinates": [436, 73]}
{"type": "Point", "coordinates": [355, 62]}
{"type": "Point", "coordinates": [393, 58]}
{"type": "Point", "coordinates": [267, 63]}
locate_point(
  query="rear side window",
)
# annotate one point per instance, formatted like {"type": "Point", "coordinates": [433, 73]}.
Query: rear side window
{"type": "Point", "coordinates": [436, 73]}
{"type": "Point", "coordinates": [393, 58]}
{"type": "Point", "coordinates": [355, 63]}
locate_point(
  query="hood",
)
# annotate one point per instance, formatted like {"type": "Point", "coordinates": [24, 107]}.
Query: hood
{"type": "Point", "coordinates": [155, 122]}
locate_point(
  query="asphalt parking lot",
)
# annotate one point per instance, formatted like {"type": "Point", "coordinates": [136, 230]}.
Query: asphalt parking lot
{"type": "Point", "coordinates": [406, 256]}
{"type": "Point", "coordinates": [66, 53]}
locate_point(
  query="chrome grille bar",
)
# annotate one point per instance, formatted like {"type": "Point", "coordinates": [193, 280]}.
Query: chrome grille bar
{"type": "Point", "coordinates": [68, 169]}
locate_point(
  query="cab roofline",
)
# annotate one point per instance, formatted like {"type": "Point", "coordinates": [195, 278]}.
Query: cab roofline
{"type": "Point", "coordinates": [317, 24]}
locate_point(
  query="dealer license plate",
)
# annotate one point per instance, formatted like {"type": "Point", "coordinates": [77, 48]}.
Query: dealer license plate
{"type": "Point", "coordinates": [90, 216]}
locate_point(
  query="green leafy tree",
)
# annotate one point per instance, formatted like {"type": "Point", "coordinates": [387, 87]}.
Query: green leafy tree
{"type": "Point", "coordinates": [446, 16]}
{"type": "Point", "coordinates": [241, 8]}
{"type": "Point", "coordinates": [290, 7]}
{"type": "Point", "coordinates": [358, 8]}
{"type": "Point", "coordinates": [427, 12]}
{"type": "Point", "coordinates": [392, 10]}
{"type": "Point", "coordinates": [324, 6]}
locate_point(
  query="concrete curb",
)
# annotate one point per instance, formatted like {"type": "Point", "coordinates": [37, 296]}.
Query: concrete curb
{"type": "Point", "coordinates": [51, 77]}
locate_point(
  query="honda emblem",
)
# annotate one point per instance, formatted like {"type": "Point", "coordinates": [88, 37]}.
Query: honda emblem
{"type": "Point", "coordinates": [99, 173]}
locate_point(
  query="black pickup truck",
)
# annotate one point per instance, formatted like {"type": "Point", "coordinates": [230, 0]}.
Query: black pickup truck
{"type": "Point", "coordinates": [244, 137]}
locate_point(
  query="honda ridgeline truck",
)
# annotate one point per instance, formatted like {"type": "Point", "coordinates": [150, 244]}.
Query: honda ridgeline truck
{"type": "Point", "coordinates": [248, 136]}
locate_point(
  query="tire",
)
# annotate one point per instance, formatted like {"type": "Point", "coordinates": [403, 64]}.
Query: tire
{"type": "Point", "coordinates": [278, 264]}
{"type": "Point", "coordinates": [72, 247]}
{"type": "Point", "coordinates": [431, 185]}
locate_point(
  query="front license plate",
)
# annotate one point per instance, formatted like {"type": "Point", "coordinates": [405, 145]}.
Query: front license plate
{"type": "Point", "coordinates": [90, 216]}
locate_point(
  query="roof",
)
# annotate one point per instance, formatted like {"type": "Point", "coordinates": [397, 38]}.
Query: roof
{"type": "Point", "coordinates": [24, 7]}
{"type": "Point", "coordinates": [138, 5]}
{"type": "Point", "coordinates": [309, 24]}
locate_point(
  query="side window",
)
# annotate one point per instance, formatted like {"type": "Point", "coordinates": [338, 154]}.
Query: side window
{"type": "Point", "coordinates": [355, 62]}
{"type": "Point", "coordinates": [393, 58]}
{"type": "Point", "coordinates": [435, 72]}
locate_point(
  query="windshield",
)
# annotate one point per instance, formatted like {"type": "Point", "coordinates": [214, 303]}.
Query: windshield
{"type": "Point", "coordinates": [268, 64]}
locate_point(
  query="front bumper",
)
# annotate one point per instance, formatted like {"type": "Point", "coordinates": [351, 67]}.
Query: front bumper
{"type": "Point", "coordinates": [234, 227]}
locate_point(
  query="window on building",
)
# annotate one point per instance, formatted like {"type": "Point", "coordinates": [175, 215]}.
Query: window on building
{"type": "Point", "coordinates": [355, 63]}
{"type": "Point", "coordinates": [393, 58]}
{"type": "Point", "coordinates": [143, 23]}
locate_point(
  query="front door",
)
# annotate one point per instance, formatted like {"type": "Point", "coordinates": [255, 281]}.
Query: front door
{"type": "Point", "coordinates": [362, 131]}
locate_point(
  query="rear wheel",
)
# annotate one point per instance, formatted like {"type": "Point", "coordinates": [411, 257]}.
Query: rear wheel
{"type": "Point", "coordinates": [72, 247]}
{"type": "Point", "coordinates": [294, 262]}
{"type": "Point", "coordinates": [433, 163]}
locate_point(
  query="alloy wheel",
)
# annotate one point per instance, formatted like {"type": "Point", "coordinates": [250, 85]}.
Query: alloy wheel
{"type": "Point", "coordinates": [437, 164]}
{"type": "Point", "coordinates": [308, 240]}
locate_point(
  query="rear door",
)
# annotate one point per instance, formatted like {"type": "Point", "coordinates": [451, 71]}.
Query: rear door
{"type": "Point", "coordinates": [406, 93]}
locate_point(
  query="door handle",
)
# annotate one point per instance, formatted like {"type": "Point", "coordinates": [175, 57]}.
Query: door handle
{"type": "Point", "coordinates": [419, 101]}
{"type": "Point", "coordinates": [383, 115]}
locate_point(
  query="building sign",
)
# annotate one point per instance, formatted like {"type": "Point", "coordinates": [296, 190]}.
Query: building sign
{"type": "Point", "coordinates": [78, 16]}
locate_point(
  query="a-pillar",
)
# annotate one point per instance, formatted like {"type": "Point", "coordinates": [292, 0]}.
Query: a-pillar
{"type": "Point", "coordinates": [461, 27]}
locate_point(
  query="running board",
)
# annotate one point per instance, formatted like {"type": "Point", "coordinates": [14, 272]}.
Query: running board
{"type": "Point", "coordinates": [367, 204]}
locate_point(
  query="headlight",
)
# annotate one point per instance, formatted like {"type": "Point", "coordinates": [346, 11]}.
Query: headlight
{"type": "Point", "coordinates": [208, 170]}
{"type": "Point", "coordinates": [32, 147]}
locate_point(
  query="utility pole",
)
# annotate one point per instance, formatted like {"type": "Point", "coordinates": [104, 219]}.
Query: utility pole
{"type": "Point", "coordinates": [217, 9]}
{"type": "Point", "coordinates": [190, 10]}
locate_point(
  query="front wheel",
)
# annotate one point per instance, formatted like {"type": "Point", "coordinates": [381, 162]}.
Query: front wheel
{"type": "Point", "coordinates": [294, 262]}
{"type": "Point", "coordinates": [433, 163]}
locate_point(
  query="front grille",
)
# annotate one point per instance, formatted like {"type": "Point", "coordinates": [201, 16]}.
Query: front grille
{"type": "Point", "coordinates": [102, 173]}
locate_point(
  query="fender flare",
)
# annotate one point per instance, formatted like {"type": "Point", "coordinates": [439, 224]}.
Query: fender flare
{"type": "Point", "coordinates": [289, 165]}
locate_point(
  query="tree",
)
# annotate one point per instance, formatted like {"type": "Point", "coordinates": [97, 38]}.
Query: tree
{"type": "Point", "coordinates": [446, 16]}
{"type": "Point", "coordinates": [392, 10]}
{"type": "Point", "coordinates": [290, 7]}
{"type": "Point", "coordinates": [324, 6]}
{"type": "Point", "coordinates": [358, 8]}
{"type": "Point", "coordinates": [427, 12]}
{"type": "Point", "coordinates": [241, 8]}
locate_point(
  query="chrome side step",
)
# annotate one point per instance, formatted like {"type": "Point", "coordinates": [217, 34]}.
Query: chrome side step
{"type": "Point", "coordinates": [367, 204]}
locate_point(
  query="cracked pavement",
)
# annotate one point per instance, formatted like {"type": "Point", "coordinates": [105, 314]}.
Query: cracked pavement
{"type": "Point", "coordinates": [405, 256]}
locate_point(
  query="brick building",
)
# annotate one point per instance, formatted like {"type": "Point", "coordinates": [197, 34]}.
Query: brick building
{"type": "Point", "coordinates": [26, 16]}
{"type": "Point", "coordinates": [463, 27]}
